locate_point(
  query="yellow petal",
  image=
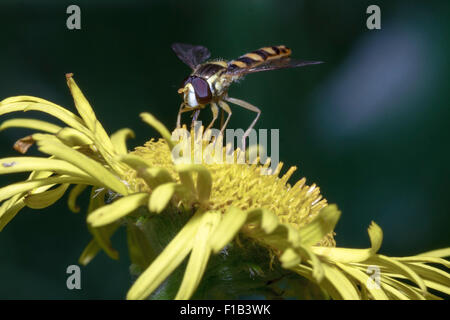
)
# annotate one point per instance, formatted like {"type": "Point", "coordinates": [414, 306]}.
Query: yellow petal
{"type": "Point", "coordinates": [158, 126]}
{"type": "Point", "coordinates": [30, 124]}
{"type": "Point", "coordinates": [363, 279]}
{"type": "Point", "coordinates": [26, 99]}
{"type": "Point", "coordinates": [102, 237]}
{"type": "Point", "coordinates": [431, 273]}
{"type": "Point", "coordinates": [45, 199]}
{"type": "Point", "coordinates": [13, 189]}
{"type": "Point", "coordinates": [232, 221]}
{"type": "Point", "coordinates": [204, 179]}
{"type": "Point", "coordinates": [23, 164]}
{"type": "Point", "coordinates": [72, 137]}
{"type": "Point", "coordinates": [424, 259]}
{"type": "Point", "coordinates": [73, 195]}
{"type": "Point", "coordinates": [440, 253]}
{"type": "Point", "coordinates": [89, 253]}
{"type": "Point", "coordinates": [102, 234]}
{"type": "Point", "coordinates": [290, 258]}
{"type": "Point", "coordinates": [317, 269]}
{"type": "Point", "coordinates": [320, 226]}
{"type": "Point", "coordinates": [160, 197]}
{"type": "Point", "coordinates": [335, 283]}
{"type": "Point", "coordinates": [153, 177]}
{"type": "Point", "coordinates": [54, 110]}
{"type": "Point", "coordinates": [341, 284]}
{"type": "Point", "coordinates": [345, 255]}
{"type": "Point", "coordinates": [265, 227]}
{"type": "Point", "coordinates": [119, 139]}
{"type": "Point", "coordinates": [376, 237]}
{"type": "Point", "coordinates": [265, 218]}
{"type": "Point", "coordinates": [116, 210]}
{"type": "Point", "coordinates": [175, 252]}
{"type": "Point", "coordinates": [92, 167]}
{"type": "Point", "coordinates": [88, 115]}
{"type": "Point", "coordinates": [12, 206]}
{"type": "Point", "coordinates": [404, 288]}
{"type": "Point", "coordinates": [9, 209]}
{"type": "Point", "coordinates": [437, 286]}
{"type": "Point", "coordinates": [394, 293]}
{"type": "Point", "coordinates": [200, 255]}
{"type": "Point", "coordinates": [135, 162]}
{"type": "Point", "coordinates": [400, 268]}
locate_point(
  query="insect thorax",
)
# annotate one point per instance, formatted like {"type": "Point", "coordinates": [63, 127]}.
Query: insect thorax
{"type": "Point", "coordinates": [213, 72]}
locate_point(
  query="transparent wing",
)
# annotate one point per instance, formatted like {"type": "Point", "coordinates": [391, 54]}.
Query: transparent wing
{"type": "Point", "coordinates": [272, 65]}
{"type": "Point", "coordinates": [190, 54]}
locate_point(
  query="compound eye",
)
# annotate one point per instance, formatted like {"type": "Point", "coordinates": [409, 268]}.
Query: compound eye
{"type": "Point", "coordinates": [202, 90]}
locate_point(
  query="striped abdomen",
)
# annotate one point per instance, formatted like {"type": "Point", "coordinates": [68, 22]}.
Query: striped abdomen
{"type": "Point", "coordinates": [259, 56]}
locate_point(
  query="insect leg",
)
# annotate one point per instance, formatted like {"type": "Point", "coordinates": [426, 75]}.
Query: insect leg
{"type": "Point", "coordinates": [195, 115]}
{"type": "Point", "coordinates": [179, 115]}
{"type": "Point", "coordinates": [215, 112]}
{"type": "Point", "coordinates": [227, 109]}
{"type": "Point", "coordinates": [222, 117]}
{"type": "Point", "coordinates": [185, 110]}
{"type": "Point", "coordinates": [247, 106]}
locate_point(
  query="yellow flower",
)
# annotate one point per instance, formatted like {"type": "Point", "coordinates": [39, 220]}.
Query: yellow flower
{"type": "Point", "coordinates": [215, 208]}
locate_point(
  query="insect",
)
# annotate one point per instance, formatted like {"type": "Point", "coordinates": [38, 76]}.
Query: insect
{"type": "Point", "coordinates": [209, 81]}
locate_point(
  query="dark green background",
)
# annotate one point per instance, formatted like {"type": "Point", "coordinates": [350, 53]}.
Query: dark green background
{"type": "Point", "coordinates": [370, 126]}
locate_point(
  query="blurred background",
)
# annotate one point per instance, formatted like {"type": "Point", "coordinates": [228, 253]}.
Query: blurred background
{"type": "Point", "coordinates": [370, 126]}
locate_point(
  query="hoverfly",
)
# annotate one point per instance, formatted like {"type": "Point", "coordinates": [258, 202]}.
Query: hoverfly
{"type": "Point", "coordinates": [209, 81]}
